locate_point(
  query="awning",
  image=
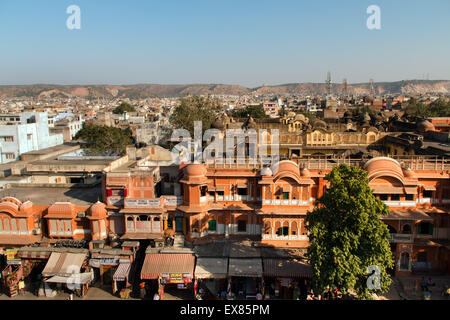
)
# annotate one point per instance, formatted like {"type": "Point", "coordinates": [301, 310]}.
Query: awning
{"type": "Point", "coordinates": [387, 190]}
{"type": "Point", "coordinates": [156, 264]}
{"type": "Point", "coordinates": [207, 268]}
{"type": "Point", "coordinates": [63, 264]}
{"type": "Point", "coordinates": [122, 271]}
{"type": "Point", "coordinates": [245, 267]}
{"type": "Point", "coordinates": [286, 268]}
{"type": "Point", "coordinates": [25, 254]}
{"type": "Point", "coordinates": [415, 214]}
{"type": "Point", "coordinates": [80, 278]}
{"type": "Point", "coordinates": [429, 188]}
{"type": "Point", "coordinates": [410, 190]}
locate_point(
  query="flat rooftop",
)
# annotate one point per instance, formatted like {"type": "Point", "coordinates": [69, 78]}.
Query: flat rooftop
{"type": "Point", "coordinates": [47, 196]}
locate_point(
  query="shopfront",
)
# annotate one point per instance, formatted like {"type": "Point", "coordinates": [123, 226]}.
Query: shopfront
{"type": "Point", "coordinates": [246, 277]}
{"type": "Point", "coordinates": [212, 272]}
{"type": "Point", "coordinates": [175, 270]}
{"type": "Point", "coordinates": [286, 278]}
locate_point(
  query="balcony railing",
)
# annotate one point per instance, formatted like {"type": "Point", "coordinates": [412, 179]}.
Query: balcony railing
{"type": "Point", "coordinates": [278, 202]}
{"type": "Point", "coordinates": [277, 237]}
{"type": "Point", "coordinates": [400, 203]}
{"type": "Point", "coordinates": [401, 238]}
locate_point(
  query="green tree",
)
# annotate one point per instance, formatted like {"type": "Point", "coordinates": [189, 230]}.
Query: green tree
{"type": "Point", "coordinates": [254, 111]}
{"type": "Point", "coordinates": [347, 235]}
{"type": "Point", "coordinates": [195, 108]}
{"type": "Point", "coordinates": [416, 109]}
{"type": "Point", "coordinates": [124, 107]}
{"type": "Point", "coordinates": [104, 140]}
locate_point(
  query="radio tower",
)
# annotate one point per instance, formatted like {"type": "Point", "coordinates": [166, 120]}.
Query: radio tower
{"type": "Point", "coordinates": [328, 82]}
{"type": "Point", "coordinates": [372, 89]}
{"type": "Point", "coordinates": [344, 87]}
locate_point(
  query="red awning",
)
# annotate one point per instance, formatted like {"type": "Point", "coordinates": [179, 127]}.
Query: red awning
{"type": "Point", "coordinates": [156, 264]}
{"type": "Point", "coordinates": [286, 268]}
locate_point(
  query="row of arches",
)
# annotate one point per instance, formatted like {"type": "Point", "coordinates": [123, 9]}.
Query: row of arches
{"type": "Point", "coordinates": [283, 228]}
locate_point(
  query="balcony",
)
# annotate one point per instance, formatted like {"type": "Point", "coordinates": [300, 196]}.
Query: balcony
{"type": "Point", "coordinates": [277, 237]}
{"type": "Point", "coordinates": [276, 202]}
{"type": "Point", "coordinates": [400, 203]}
{"type": "Point", "coordinates": [401, 238]}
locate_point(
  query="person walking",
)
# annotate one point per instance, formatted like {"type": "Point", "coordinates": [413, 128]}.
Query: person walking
{"type": "Point", "coordinates": [142, 290]}
{"type": "Point", "coordinates": [21, 287]}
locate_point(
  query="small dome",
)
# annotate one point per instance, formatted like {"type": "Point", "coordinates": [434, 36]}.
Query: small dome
{"type": "Point", "coordinates": [300, 117]}
{"type": "Point", "coordinates": [320, 124]}
{"type": "Point", "coordinates": [304, 172]}
{"type": "Point", "coordinates": [266, 172]}
{"type": "Point", "coordinates": [98, 209]}
{"type": "Point", "coordinates": [286, 166]}
{"type": "Point", "coordinates": [409, 173]}
{"type": "Point", "coordinates": [195, 169]}
{"type": "Point", "coordinates": [424, 126]}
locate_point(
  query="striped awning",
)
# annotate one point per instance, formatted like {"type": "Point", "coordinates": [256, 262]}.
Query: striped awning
{"type": "Point", "coordinates": [63, 264]}
{"type": "Point", "coordinates": [286, 268]}
{"type": "Point", "coordinates": [25, 254]}
{"type": "Point", "coordinates": [245, 267]}
{"type": "Point", "coordinates": [387, 190]}
{"type": "Point", "coordinates": [410, 190]}
{"type": "Point", "coordinates": [207, 268]}
{"type": "Point", "coordinates": [122, 271]}
{"type": "Point", "coordinates": [80, 278]}
{"type": "Point", "coordinates": [157, 264]}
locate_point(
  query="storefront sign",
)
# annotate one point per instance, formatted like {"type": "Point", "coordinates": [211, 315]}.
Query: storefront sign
{"type": "Point", "coordinates": [94, 263]}
{"type": "Point", "coordinates": [142, 203]}
{"type": "Point", "coordinates": [109, 261]}
{"type": "Point", "coordinates": [173, 201]}
{"type": "Point", "coordinates": [11, 256]}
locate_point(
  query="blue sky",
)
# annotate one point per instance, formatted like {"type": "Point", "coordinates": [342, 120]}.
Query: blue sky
{"type": "Point", "coordinates": [246, 42]}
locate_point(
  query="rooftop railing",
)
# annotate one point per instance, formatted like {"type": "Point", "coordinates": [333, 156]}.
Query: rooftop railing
{"type": "Point", "coordinates": [417, 163]}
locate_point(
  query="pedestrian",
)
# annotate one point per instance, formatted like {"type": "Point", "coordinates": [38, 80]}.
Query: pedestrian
{"type": "Point", "coordinates": [21, 287]}
{"type": "Point", "coordinates": [423, 284]}
{"type": "Point", "coordinates": [142, 290]}
{"type": "Point", "coordinates": [156, 296]}
{"type": "Point", "coordinates": [259, 296]}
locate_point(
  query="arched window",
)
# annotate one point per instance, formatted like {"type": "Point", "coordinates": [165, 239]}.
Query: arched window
{"type": "Point", "coordinates": [425, 228]}
{"type": "Point", "coordinates": [285, 230]}
{"type": "Point", "coordinates": [404, 261]}
{"type": "Point", "coordinates": [267, 227]}
{"type": "Point", "coordinates": [143, 217]}
{"type": "Point", "coordinates": [278, 228]}
{"type": "Point", "coordinates": [294, 230]}
{"type": "Point", "coordinates": [406, 229]}
{"type": "Point", "coordinates": [391, 229]}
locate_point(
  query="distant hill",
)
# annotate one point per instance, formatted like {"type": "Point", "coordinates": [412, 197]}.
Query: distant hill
{"type": "Point", "coordinates": [174, 90]}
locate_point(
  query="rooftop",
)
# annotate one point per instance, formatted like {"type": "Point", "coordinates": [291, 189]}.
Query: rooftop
{"type": "Point", "coordinates": [44, 196]}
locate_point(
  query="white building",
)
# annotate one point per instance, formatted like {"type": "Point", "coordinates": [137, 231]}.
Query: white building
{"type": "Point", "coordinates": [25, 132]}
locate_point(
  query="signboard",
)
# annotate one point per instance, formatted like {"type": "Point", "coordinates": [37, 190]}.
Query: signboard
{"type": "Point", "coordinates": [115, 201]}
{"type": "Point", "coordinates": [142, 203]}
{"type": "Point", "coordinates": [11, 256]}
{"type": "Point", "coordinates": [173, 201]}
{"type": "Point", "coordinates": [179, 278]}
{"type": "Point", "coordinates": [109, 261]}
{"type": "Point", "coordinates": [94, 263]}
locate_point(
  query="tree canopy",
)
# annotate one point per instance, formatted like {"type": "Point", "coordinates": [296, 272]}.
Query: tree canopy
{"type": "Point", "coordinates": [104, 140]}
{"type": "Point", "coordinates": [195, 108]}
{"type": "Point", "coordinates": [254, 111]}
{"type": "Point", "coordinates": [347, 235]}
{"type": "Point", "coordinates": [124, 107]}
{"type": "Point", "coordinates": [417, 109]}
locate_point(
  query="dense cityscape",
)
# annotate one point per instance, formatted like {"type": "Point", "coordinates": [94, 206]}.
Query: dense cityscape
{"type": "Point", "coordinates": [229, 157]}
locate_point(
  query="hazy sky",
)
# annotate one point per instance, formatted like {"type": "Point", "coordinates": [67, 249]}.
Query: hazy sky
{"type": "Point", "coordinates": [246, 42]}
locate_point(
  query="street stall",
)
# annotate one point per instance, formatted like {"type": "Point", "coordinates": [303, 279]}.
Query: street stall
{"type": "Point", "coordinates": [69, 267]}
{"type": "Point", "coordinates": [212, 272]}
{"type": "Point", "coordinates": [106, 262]}
{"type": "Point", "coordinates": [246, 276]}
{"type": "Point", "coordinates": [120, 277]}
{"type": "Point", "coordinates": [172, 269]}
{"type": "Point", "coordinates": [12, 273]}
{"type": "Point", "coordinates": [286, 278]}
{"type": "Point", "coordinates": [33, 260]}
